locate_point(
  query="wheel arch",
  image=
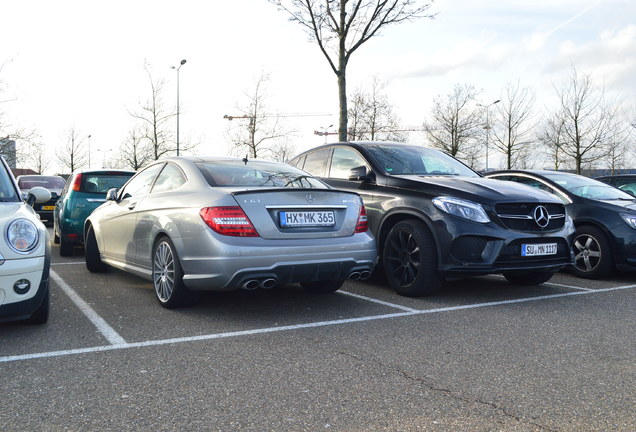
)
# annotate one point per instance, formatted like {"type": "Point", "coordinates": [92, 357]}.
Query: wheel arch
{"type": "Point", "coordinates": [400, 215]}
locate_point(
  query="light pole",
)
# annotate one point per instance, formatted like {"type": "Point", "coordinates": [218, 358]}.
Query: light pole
{"type": "Point", "coordinates": [177, 68]}
{"type": "Point", "coordinates": [104, 151]}
{"type": "Point", "coordinates": [487, 107]}
{"type": "Point", "coordinates": [325, 132]}
{"type": "Point", "coordinates": [89, 151]}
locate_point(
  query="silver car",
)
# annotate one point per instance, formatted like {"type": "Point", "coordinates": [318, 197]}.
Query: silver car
{"type": "Point", "coordinates": [191, 224]}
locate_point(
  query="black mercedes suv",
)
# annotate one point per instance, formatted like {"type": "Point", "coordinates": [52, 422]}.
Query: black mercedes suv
{"type": "Point", "coordinates": [434, 217]}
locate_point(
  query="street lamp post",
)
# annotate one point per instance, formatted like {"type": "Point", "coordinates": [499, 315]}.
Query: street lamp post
{"type": "Point", "coordinates": [487, 107]}
{"type": "Point", "coordinates": [89, 151]}
{"type": "Point", "coordinates": [177, 68]}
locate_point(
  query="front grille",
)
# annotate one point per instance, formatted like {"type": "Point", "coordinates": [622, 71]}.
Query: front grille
{"type": "Point", "coordinates": [520, 216]}
{"type": "Point", "coordinates": [511, 253]}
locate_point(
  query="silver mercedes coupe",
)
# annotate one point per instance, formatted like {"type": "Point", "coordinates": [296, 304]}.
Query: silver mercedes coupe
{"type": "Point", "coordinates": [192, 224]}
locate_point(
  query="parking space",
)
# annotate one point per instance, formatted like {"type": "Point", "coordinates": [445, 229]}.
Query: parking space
{"type": "Point", "coordinates": [482, 355]}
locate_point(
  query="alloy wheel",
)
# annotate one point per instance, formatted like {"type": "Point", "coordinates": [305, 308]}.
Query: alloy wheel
{"type": "Point", "coordinates": [163, 271]}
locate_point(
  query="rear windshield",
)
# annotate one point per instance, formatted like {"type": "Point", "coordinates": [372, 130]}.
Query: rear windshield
{"type": "Point", "coordinates": [102, 182]}
{"type": "Point", "coordinates": [47, 182]}
{"type": "Point", "coordinates": [256, 174]}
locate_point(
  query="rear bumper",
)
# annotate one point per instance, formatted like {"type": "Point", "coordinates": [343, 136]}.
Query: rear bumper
{"type": "Point", "coordinates": [285, 262]}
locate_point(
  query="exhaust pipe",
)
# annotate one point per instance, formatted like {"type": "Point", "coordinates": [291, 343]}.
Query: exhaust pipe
{"type": "Point", "coordinates": [268, 283]}
{"type": "Point", "coordinates": [354, 275]}
{"type": "Point", "coordinates": [366, 274]}
{"type": "Point", "coordinates": [251, 284]}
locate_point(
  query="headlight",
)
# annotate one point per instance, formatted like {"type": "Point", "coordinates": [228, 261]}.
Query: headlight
{"type": "Point", "coordinates": [22, 235]}
{"type": "Point", "coordinates": [630, 219]}
{"type": "Point", "coordinates": [462, 208]}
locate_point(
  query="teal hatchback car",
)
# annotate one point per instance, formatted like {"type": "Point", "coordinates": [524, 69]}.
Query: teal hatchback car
{"type": "Point", "coordinates": [83, 192]}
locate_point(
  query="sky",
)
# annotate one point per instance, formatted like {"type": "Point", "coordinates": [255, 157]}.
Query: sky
{"type": "Point", "coordinates": [80, 64]}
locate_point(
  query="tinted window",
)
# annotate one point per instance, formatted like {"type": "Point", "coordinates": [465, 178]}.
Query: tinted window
{"type": "Point", "coordinates": [316, 163]}
{"type": "Point", "coordinates": [587, 188]}
{"type": "Point", "coordinates": [101, 182]}
{"type": "Point", "coordinates": [7, 190]}
{"type": "Point", "coordinates": [343, 160]}
{"type": "Point", "coordinates": [404, 160]}
{"type": "Point", "coordinates": [141, 183]}
{"type": "Point", "coordinates": [255, 174]}
{"type": "Point", "coordinates": [170, 178]}
{"type": "Point", "coordinates": [48, 182]}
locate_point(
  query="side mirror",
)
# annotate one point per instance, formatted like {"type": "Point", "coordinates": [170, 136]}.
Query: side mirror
{"type": "Point", "coordinates": [111, 195]}
{"type": "Point", "coordinates": [38, 195]}
{"type": "Point", "coordinates": [359, 173]}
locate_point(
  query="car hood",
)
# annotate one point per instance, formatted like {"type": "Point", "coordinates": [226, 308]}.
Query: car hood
{"type": "Point", "coordinates": [478, 189]}
{"type": "Point", "coordinates": [626, 204]}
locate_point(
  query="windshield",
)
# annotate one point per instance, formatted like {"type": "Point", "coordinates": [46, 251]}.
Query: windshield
{"type": "Point", "coordinates": [47, 182]}
{"type": "Point", "coordinates": [414, 160]}
{"type": "Point", "coordinates": [7, 190]}
{"type": "Point", "coordinates": [588, 188]}
{"type": "Point", "coordinates": [256, 174]}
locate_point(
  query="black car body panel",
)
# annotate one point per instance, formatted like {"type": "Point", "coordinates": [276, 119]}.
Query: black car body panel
{"type": "Point", "coordinates": [463, 246]}
{"type": "Point", "coordinates": [603, 214]}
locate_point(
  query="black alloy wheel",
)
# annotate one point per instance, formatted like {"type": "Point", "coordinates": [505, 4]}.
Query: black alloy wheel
{"type": "Point", "coordinates": [409, 257]}
{"type": "Point", "coordinates": [592, 253]}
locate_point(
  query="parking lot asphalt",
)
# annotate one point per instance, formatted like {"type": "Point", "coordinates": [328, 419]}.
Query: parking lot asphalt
{"type": "Point", "coordinates": [483, 355]}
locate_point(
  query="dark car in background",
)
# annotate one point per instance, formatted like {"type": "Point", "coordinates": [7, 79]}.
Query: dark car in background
{"type": "Point", "coordinates": [434, 217]}
{"type": "Point", "coordinates": [84, 191]}
{"type": "Point", "coordinates": [625, 182]}
{"type": "Point", "coordinates": [604, 218]}
{"type": "Point", "coordinates": [53, 184]}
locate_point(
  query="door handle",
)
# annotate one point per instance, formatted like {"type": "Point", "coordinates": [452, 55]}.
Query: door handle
{"type": "Point", "coordinates": [131, 206]}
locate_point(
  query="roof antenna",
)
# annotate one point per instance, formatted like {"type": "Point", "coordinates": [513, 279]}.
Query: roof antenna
{"type": "Point", "coordinates": [245, 160]}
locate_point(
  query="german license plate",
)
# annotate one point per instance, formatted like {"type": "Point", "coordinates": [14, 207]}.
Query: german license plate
{"type": "Point", "coordinates": [539, 249]}
{"type": "Point", "coordinates": [292, 219]}
{"type": "Point", "coordinates": [48, 207]}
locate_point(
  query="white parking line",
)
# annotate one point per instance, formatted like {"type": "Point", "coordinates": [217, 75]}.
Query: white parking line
{"type": "Point", "coordinates": [172, 341]}
{"type": "Point", "coordinates": [107, 331]}
{"type": "Point", "coordinates": [369, 299]}
{"type": "Point", "coordinates": [568, 286]}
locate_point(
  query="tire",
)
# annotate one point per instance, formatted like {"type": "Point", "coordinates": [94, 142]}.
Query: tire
{"type": "Point", "coordinates": [593, 257]}
{"type": "Point", "coordinates": [409, 258]}
{"type": "Point", "coordinates": [56, 237]}
{"type": "Point", "coordinates": [41, 314]}
{"type": "Point", "coordinates": [66, 247]}
{"type": "Point", "coordinates": [322, 287]}
{"type": "Point", "coordinates": [92, 256]}
{"type": "Point", "coordinates": [167, 275]}
{"type": "Point", "coordinates": [528, 278]}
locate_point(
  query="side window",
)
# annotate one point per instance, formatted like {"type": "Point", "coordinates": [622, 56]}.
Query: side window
{"type": "Point", "coordinates": [298, 162]}
{"type": "Point", "coordinates": [316, 163]}
{"type": "Point", "coordinates": [343, 160]}
{"type": "Point", "coordinates": [170, 178]}
{"type": "Point", "coordinates": [141, 183]}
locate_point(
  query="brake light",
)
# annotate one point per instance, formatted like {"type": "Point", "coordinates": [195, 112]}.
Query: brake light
{"type": "Point", "coordinates": [77, 181]}
{"type": "Point", "coordinates": [229, 221]}
{"type": "Point", "coordinates": [362, 225]}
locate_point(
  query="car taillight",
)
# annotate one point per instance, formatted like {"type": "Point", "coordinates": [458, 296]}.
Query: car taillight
{"type": "Point", "coordinates": [362, 225]}
{"type": "Point", "coordinates": [77, 181]}
{"type": "Point", "coordinates": [229, 221]}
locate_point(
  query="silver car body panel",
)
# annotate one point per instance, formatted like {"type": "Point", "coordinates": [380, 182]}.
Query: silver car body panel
{"type": "Point", "coordinates": [126, 231]}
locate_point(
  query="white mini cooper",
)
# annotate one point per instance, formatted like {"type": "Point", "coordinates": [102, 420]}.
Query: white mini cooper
{"type": "Point", "coordinates": [25, 253]}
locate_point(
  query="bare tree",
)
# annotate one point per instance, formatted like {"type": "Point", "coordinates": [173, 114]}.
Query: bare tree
{"type": "Point", "coordinates": [258, 132]}
{"type": "Point", "coordinates": [73, 154]}
{"type": "Point", "coordinates": [455, 124]}
{"type": "Point", "coordinates": [33, 155]}
{"type": "Point", "coordinates": [135, 152]}
{"type": "Point", "coordinates": [589, 120]}
{"type": "Point", "coordinates": [513, 127]}
{"type": "Point", "coordinates": [153, 117]}
{"type": "Point", "coordinates": [340, 27]}
{"type": "Point", "coordinates": [372, 116]}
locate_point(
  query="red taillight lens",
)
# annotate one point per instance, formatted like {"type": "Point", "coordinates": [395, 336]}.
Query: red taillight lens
{"type": "Point", "coordinates": [77, 181]}
{"type": "Point", "coordinates": [362, 225]}
{"type": "Point", "coordinates": [229, 221]}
